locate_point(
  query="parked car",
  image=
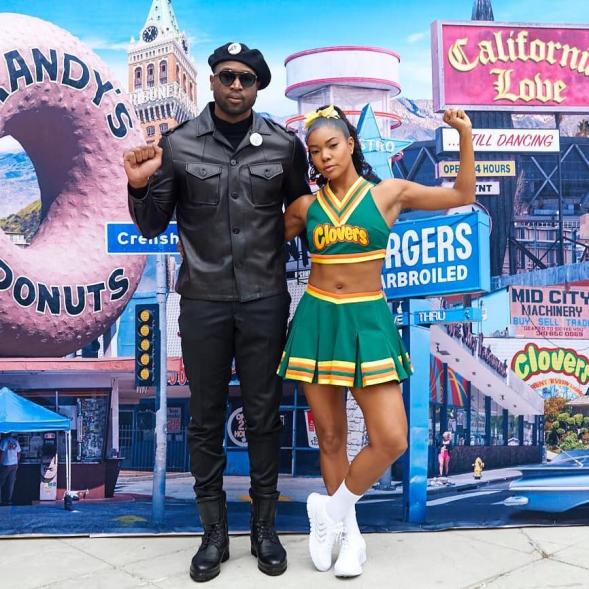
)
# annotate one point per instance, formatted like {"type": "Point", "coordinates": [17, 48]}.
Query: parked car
{"type": "Point", "coordinates": [557, 486]}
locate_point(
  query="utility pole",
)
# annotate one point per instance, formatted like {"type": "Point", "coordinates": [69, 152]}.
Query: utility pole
{"type": "Point", "coordinates": [558, 118]}
{"type": "Point", "coordinates": [161, 403]}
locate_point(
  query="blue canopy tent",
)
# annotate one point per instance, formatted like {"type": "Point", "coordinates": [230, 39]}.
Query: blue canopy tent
{"type": "Point", "coordinates": [20, 415]}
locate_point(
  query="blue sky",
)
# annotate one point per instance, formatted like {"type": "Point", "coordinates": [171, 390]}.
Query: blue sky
{"type": "Point", "coordinates": [280, 28]}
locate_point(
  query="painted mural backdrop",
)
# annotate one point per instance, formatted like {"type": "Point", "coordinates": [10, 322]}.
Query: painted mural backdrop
{"type": "Point", "coordinates": [74, 95]}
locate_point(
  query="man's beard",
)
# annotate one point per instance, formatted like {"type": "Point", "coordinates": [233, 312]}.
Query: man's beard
{"type": "Point", "coordinates": [234, 109]}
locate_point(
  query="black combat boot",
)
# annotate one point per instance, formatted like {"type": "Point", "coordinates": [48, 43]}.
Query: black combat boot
{"type": "Point", "coordinates": [214, 548]}
{"type": "Point", "coordinates": [265, 543]}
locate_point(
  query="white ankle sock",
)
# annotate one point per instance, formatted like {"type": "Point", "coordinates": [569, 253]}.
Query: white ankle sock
{"type": "Point", "coordinates": [340, 503]}
{"type": "Point", "coordinates": [350, 521]}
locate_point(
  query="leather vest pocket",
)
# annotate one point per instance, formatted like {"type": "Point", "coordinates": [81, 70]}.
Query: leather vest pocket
{"type": "Point", "coordinates": [266, 183]}
{"type": "Point", "coordinates": [203, 183]}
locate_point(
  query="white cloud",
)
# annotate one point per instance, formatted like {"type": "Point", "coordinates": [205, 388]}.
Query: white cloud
{"type": "Point", "coordinates": [200, 39]}
{"type": "Point", "coordinates": [97, 44]}
{"type": "Point", "coordinates": [10, 145]}
{"type": "Point", "coordinates": [416, 71]}
{"type": "Point", "coordinates": [416, 37]}
{"type": "Point", "coordinates": [416, 75]}
{"type": "Point", "coordinates": [120, 73]}
{"type": "Point", "coordinates": [272, 99]}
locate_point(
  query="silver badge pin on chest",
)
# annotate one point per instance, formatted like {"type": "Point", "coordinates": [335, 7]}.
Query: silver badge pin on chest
{"type": "Point", "coordinates": [256, 139]}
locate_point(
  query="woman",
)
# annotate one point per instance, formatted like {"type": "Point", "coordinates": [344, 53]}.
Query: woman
{"type": "Point", "coordinates": [444, 455]}
{"type": "Point", "coordinates": [343, 335]}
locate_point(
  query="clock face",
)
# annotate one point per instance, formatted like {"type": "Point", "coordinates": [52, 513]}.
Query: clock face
{"type": "Point", "coordinates": [150, 33]}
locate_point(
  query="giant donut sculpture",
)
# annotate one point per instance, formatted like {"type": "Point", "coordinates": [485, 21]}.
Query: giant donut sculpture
{"type": "Point", "coordinates": [58, 99]}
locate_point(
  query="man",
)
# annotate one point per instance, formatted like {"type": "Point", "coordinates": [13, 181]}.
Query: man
{"type": "Point", "coordinates": [9, 458]}
{"type": "Point", "coordinates": [227, 174]}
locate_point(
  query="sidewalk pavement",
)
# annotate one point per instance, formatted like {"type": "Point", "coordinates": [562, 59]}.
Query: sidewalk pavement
{"type": "Point", "coordinates": [524, 558]}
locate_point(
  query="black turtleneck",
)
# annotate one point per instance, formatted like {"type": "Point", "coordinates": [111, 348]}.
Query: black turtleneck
{"type": "Point", "coordinates": [233, 132]}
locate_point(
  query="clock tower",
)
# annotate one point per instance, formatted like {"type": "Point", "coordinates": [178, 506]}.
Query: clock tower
{"type": "Point", "coordinates": [162, 75]}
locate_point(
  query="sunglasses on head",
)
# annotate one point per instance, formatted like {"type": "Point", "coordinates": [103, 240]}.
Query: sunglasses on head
{"type": "Point", "coordinates": [227, 77]}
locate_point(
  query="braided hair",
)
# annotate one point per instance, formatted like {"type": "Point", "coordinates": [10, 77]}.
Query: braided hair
{"type": "Point", "coordinates": [363, 168]}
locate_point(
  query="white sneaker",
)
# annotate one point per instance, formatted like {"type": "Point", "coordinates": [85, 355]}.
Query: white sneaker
{"type": "Point", "coordinates": [352, 556]}
{"type": "Point", "coordinates": [324, 531]}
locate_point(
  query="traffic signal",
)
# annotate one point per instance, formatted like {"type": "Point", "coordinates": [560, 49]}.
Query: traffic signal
{"type": "Point", "coordinates": [147, 345]}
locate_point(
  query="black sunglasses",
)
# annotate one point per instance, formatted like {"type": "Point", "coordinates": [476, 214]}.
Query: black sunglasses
{"type": "Point", "coordinates": [227, 77]}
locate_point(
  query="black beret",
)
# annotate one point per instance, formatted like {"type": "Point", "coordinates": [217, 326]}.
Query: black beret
{"type": "Point", "coordinates": [242, 53]}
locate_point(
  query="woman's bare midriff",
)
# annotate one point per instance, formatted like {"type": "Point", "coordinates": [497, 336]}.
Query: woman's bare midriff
{"type": "Point", "coordinates": [347, 278]}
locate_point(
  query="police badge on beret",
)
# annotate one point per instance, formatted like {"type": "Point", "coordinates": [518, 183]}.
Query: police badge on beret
{"type": "Point", "coordinates": [253, 58]}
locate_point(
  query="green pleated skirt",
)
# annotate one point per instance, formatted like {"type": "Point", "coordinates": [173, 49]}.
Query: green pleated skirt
{"type": "Point", "coordinates": [346, 340]}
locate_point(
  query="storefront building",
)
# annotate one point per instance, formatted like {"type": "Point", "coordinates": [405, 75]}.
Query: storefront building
{"type": "Point", "coordinates": [489, 410]}
{"type": "Point", "coordinates": [87, 391]}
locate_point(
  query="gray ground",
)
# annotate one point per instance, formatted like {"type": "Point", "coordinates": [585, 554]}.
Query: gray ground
{"type": "Point", "coordinates": [507, 558]}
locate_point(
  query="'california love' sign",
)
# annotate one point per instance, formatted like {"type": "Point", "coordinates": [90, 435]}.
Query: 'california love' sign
{"type": "Point", "coordinates": [514, 67]}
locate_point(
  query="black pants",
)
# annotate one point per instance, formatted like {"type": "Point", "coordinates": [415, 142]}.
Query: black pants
{"type": "Point", "coordinates": [7, 480]}
{"type": "Point", "coordinates": [213, 333]}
